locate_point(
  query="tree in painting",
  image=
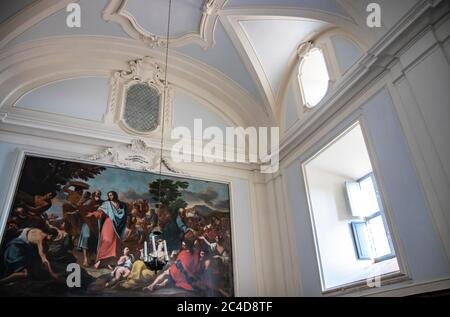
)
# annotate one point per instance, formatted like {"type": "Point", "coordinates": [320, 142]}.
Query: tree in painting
{"type": "Point", "coordinates": [168, 192]}
{"type": "Point", "coordinates": [45, 175]}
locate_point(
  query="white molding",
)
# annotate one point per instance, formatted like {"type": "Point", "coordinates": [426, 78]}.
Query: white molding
{"type": "Point", "coordinates": [236, 34]}
{"type": "Point", "coordinates": [287, 242]}
{"type": "Point", "coordinates": [426, 160]}
{"type": "Point", "coordinates": [56, 57]}
{"type": "Point", "coordinates": [137, 155]}
{"type": "Point", "coordinates": [294, 276]}
{"type": "Point", "coordinates": [404, 271]}
{"type": "Point", "coordinates": [40, 62]}
{"type": "Point", "coordinates": [66, 145]}
{"type": "Point", "coordinates": [24, 126]}
{"type": "Point", "coordinates": [116, 11]}
{"type": "Point", "coordinates": [283, 98]}
{"type": "Point", "coordinates": [259, 242]}
{"type": "Point", "coordinates": [28, 17]}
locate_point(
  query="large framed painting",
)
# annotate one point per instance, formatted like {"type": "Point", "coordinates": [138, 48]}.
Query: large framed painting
{"type": "Point", "coordinates": [74, 228]}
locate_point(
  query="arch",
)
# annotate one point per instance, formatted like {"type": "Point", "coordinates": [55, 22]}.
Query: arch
{"type": "Point", "coordinates": [28, 17]}
{"type": "Point", "coordinates": [29, 65]}
{"type": "Point", "coordinates": [79, 97]}
{"type": "Point", "coordinates": [230, 20]}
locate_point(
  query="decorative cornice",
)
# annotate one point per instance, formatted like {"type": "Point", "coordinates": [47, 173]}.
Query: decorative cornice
{"type": "Point", "coordinates": [115, 11]}
{"type": "Point", "coordinates": [136, 155]}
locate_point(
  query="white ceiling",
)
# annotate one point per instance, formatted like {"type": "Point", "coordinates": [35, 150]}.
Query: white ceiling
{"type": "Point", "coordinates": [347, 157]}
{"type": "Point", "coordinates": [325, 5]}
{"type": "Point", "coordinates": [224, 57]}
{"type": "Point", "coordinates": [91, 24]}
{"type": "Point", "coordinates": [272, 40]}
{"type": "Point", "coordinates": [152, 15]}
{"type": "Point", "coordinates": [186, 109]}
{"type": "Point", "coordinates": [275, 39]}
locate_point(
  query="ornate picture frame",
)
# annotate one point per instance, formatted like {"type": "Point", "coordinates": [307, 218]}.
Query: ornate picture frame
{"type": "Point", "coordinates": [147, 234]}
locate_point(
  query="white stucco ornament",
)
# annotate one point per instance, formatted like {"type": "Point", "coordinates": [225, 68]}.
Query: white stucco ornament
{"type": "Point", "coordinates": [136, 155]}
{"type": "Point", "coordinates": [116, 12]}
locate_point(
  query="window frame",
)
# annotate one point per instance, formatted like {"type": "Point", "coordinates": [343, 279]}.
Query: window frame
{"type": "Point", "coordinates": [356, 237]}
{"type": "Point", "coordinates": [322, 142]}
{"type": "Point", "coordinates": [361, 255]}
{"type": "Point", "coordinates": [300, 82]}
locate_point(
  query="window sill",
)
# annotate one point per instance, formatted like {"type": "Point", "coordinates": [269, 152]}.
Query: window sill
{"type": "Point", "coordinates": [383, 258]}
{"type": "Point", "coordinates": [358, 286]}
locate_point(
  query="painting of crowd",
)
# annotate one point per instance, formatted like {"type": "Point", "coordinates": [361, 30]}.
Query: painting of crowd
{"type": "Point", "coordinates": [63, 212]}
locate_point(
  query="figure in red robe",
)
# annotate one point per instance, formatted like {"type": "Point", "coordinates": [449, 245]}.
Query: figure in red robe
{"type": "Point", "coordinates": [183, 272]}
{"type": "Point", "coordinates": [114, 213]}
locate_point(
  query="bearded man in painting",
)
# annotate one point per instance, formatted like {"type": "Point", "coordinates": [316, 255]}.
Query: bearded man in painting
{"type": "Point", "coordinates": [114, 214]}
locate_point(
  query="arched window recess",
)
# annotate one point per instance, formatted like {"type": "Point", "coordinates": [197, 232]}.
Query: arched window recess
{"type": "Point", "coordinates": [313, 75]}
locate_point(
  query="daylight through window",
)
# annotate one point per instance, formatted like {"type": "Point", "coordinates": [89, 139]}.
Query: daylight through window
{"type": "Point", "coordinates": [352, 236]}
{"type": "Point", "coordinates": [313, 77]}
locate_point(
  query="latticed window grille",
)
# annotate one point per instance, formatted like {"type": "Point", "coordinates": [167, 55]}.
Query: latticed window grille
{"type": "Point", "coordinates": [142, 108]}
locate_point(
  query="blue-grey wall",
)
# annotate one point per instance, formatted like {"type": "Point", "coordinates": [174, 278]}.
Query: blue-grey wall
{"type": "Point", "coordinates": [424, 253]}
{"type": "Point", "coordinates": [347, 53]}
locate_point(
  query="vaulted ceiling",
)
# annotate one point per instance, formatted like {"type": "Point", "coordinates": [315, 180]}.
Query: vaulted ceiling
{"type": "Point", "coordinates": [246, 43]}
